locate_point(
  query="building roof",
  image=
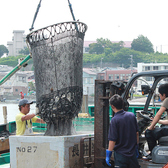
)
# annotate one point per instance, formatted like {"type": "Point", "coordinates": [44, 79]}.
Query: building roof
{"type": "Point", "coordinates": [154, 64]}
{"type": "Point", "coordinates": [5, 68]}
{"type": "Point", "coordinates": [89, 71]}
{"type": "Point", "coordinates": [18, 31]}
{"type": "Point", "coordinates": [112, 68]}
{"type": "Point", "coordinates": [31, 80]}
{"type": "Point", "coordinates": [127, 44]}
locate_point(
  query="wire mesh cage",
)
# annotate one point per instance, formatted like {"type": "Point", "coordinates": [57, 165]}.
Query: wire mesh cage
{"type": "Point", "coordinates": [57, 52]}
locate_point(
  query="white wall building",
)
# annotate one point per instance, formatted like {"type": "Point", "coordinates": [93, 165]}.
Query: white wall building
{"type": "Point", "coordinates": [150, 67]}
{"type": "Point", "coordinates": [15, 84]}
{"type": "Point", "coordinates": [89, 77]}
{"type": "Point", "coordinates": [18, 43]}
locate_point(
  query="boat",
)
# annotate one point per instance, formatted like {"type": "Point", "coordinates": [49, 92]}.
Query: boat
{"type": "Point", "coordinates": [5, 131]}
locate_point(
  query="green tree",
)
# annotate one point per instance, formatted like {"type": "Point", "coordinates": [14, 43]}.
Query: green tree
{"type": "Point", "coordinates": [107, 51]}
{"type": "Point", "coordinates": [142, 44]}
{"type": "Point", "coordinates": [31, 86]}
{"type": "Point", "coordinates": [117, 46]}
{"type": "Point", "coordinates": [3, 50]}
{"type": "Point", "coordinates": [104, 45]}
{"type": "Point", "coordinates": [122, 57]}
{"type": "Point", "coordinates": [24, 51]}
{"type": "Point", "coordinates": [13, 61]}
{"type": "Point", "coordinates": [95, 48]}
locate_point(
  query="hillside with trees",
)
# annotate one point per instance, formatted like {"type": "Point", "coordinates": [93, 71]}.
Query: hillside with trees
{"type": "Point", "coordinates": [107, 52]}
{"type": "Point", "coordinates": [13, 61]}
{"type": "Point", "coordinates": [3, 50]}
{"type": "Point", "coordinates": [141, 50]}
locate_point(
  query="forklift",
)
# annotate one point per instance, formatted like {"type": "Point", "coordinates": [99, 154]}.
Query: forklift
{"type": "Point", "coordinates": [103, 91]}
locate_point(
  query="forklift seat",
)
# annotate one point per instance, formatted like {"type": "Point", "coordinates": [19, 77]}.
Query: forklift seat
{"type": "Point", "coordinates": [163, 141]}
{"type": "Point", "coordinates": [160, 152]}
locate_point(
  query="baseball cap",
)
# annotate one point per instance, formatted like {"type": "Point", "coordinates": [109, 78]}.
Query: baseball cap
{"type": "Point", "coordinates": [24, 101]}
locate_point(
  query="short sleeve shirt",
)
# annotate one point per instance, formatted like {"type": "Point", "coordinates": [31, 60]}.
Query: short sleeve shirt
{"type": "Point", "coordinates": [123, 130]}
{"type": "Point", "coordinates": [21, 125]}
{"type": "Point", "coordinates": [165, 103]}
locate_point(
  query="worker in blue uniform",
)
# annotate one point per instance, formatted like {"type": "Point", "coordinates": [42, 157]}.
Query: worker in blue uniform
{"type": "Point", "coordinates": [123, 136]}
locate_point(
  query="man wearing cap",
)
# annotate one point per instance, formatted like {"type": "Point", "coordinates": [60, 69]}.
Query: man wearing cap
{"type": "Point", "coordinates": [24, 120]}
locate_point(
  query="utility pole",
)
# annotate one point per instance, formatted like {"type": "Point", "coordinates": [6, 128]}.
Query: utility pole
{"type": "Point", "coordinates": [101, 63]}
{"type": "Point", "coordinates": [131, 57]}
{"type": "Point", "coordinates": [131, 64]}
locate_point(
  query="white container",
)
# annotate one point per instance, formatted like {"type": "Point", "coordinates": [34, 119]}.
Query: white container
{"type": "Point", "coordinates": [45, 151]}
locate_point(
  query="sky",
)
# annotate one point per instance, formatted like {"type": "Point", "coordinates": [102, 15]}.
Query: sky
{"type": "Point", "coordinates": [115, 20]}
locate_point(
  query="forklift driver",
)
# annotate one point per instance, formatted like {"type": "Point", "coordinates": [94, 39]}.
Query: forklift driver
{"type": "Point", "coordinates": [153, 133]}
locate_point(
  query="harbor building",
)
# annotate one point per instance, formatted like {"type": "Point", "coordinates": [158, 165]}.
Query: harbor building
{"type": "Point", "coordinates": [17, 83]}
{"type": "Point", "coordinates": [116, 74]}
{"type": "Point", "coordinates": [18, 43]}
{"type": "Point", "coordinates": [150, 67]}
{"type": "Point", "coordinates": [89, 77]}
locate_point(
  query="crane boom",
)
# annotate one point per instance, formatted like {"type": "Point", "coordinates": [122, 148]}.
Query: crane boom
{"type": "Point", "coordinates": [19, 66]}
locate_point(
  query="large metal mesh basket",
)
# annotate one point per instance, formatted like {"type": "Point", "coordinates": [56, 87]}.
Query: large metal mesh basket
{"type": "Point", "coordinates": [57, 52]}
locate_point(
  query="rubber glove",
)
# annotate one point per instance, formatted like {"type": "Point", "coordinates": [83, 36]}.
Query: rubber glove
{"type": "Point", "coordinates": [137, 151]}
{"type": "Point", "coordinates": [108, 156]}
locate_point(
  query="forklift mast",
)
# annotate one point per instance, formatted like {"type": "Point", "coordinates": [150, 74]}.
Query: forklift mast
{"type": "Point", "coordinates": [103, 91]}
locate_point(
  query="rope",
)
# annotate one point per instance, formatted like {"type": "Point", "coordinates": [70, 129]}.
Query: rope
{"type": "Point", "coordinates": [37, 10]}
{"type": "Point", "coordinates": [38, 7]}
{"type": "Point", "coordinates": [70, 7]}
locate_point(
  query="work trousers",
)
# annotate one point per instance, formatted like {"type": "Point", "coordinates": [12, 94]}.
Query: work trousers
{"type": "Point", "coordinates": [122, 161]}
{"type": "Point", "coordinates": [153, 135]}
